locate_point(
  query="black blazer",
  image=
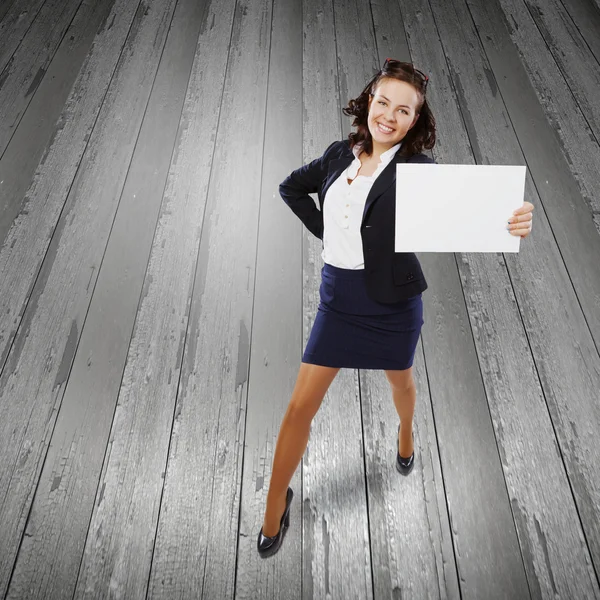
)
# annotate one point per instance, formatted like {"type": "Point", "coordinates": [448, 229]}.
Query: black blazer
{"type": "Point", "coordinates": [390, 276]}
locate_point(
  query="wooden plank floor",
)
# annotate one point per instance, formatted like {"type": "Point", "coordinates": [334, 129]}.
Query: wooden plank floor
{"type": "Point", "coordinates": [156, 295]}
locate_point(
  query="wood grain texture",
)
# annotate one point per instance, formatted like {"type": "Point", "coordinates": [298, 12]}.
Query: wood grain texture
{"type": "Point", "coordinates": [151, 280]}
{"type": "Point", "coordinates": [410, 533]}
{"type": "Point", "coordinates": [559, 309]}
{"type": "Point", "coordinates": [546, 517]}
{"type": "Point", "coordinates": [37, 127]}
{"type": "Point", "coordinates": [390, 36]}
{"type": "Point", "coordinates": [356, 50]}
{"type": "Point", "coordinates": [52, 546]}
{"type": "Point", "coordinates": [16, 21]}
{"type": "Point", "coordinates": [29, 63]}
{"type": "Point", "coordinates": [116, 558]}
{"type": "Point", "coordinates": [196, 546]}
{"type": "Point", "coordinates": [574, 57]}
{"type": "Point", "coordinates": [555, 55]}
{"type": "Point", "coordinates": [586, 17]}
{"type": "Point", "coordinates": [28, 239]}
{"type": "Point", "coordinates": [276, 323]}
{"type": "Point", "coordinates": [337, 560]}
{"type": "Point", "coordinates": [5, 7]}
{"type": "Point", "coordinates": [33, 381]}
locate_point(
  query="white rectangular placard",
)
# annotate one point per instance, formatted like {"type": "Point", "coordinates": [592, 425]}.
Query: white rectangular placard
{"type": "Point", "coordinates": [457, 208]}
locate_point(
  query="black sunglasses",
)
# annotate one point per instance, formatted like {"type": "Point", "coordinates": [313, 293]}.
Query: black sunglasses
{"type": "Point", "coordinates": [408, 67]}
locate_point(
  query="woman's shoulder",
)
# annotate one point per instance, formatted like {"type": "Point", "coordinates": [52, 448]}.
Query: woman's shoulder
{"type": "Point", "coordinates": [339, 146]}
{"type": "Point", "coordinates": [335, 150]}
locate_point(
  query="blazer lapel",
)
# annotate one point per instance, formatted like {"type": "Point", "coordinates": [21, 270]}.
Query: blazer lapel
{"type": "Point", "coordinates": [383, 182]}
{"type": "Point", "coordinates": [386, 178]}
{"type": "Point", "coordinates": [335, 168]}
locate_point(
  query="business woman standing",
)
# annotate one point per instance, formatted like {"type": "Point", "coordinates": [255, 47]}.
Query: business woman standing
{"type": "Point", "coordinates": [371, 310]}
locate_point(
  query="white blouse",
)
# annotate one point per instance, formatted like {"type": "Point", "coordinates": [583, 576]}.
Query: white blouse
{"type": "Point", "coordinates": [343, 211]}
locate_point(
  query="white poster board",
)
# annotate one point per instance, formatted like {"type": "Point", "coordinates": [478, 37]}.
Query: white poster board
{"type": "Point", "coordinates": [457, 208]}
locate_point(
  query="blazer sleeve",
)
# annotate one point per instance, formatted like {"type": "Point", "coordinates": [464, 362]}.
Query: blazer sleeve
{"type": "Point", "coordinates": [297, 186]}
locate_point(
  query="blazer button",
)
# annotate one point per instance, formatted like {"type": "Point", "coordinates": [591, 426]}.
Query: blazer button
{"type": "Point", "coordinates": [410, 276]}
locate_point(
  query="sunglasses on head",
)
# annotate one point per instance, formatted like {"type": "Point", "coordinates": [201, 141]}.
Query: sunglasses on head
{"type": "Point", "coordinates": [408, 67]}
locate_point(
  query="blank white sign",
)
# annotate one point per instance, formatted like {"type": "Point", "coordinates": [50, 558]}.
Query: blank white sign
{"type": "Point", "coordinates": [457, 208]}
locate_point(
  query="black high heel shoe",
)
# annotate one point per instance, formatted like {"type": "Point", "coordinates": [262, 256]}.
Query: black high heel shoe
{"type": "Point", "coordinates": [405, 465]}
{"type": "Point", "coordinates": [267, 546]}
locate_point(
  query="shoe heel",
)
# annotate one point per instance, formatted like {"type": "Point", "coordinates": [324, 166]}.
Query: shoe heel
{"type": "Point", "coordinates": [269, 546]}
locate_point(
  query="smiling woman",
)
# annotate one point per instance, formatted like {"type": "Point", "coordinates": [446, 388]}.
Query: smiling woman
{"type": "Point", "coordinates": [392, 108]}
{"type": "Point", "coordinates": [371, 310]}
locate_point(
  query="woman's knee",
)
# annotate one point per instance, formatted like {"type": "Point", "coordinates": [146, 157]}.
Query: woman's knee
{"type": "Point", "coordinates": [401, 380]}
{"type": "Point", "coordinates": [302, 410]}
{"type": "Point", "coordinates": [311, 387]}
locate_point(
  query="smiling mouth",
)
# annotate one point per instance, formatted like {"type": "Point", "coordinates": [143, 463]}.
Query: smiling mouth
{"type": "Point", "coordinates": [384, 129]}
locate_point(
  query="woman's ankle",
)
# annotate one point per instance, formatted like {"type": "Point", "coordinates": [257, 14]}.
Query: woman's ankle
{"type": "Point", "coordinates": [272, 524]}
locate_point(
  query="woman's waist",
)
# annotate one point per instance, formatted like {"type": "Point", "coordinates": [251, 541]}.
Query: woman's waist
{"type": "Point", "coordinates": [344, 273]}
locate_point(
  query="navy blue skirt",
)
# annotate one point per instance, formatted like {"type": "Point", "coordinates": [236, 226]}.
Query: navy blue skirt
{"type": "Point", "coordinates": [353, 331]}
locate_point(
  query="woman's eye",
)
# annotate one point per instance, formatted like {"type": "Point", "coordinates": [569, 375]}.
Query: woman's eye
{"type": "Point", "coordinates": [381, 102]}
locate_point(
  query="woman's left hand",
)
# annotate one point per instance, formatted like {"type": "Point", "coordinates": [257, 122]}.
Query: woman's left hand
{"type": "Point", "coordinates": [521, 221]}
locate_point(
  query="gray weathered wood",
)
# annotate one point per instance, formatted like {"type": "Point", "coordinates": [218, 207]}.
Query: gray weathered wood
{"type": "Point", "coordinates": [566, 341]}
{"type": "Point", "coordinates": [409, 527]}
{"type": "Point", "coordinates": [196, 545]}
{"type": "Point", "coordinates": [29, 63]}
{"type": "Point", "coordinates": [357, 59]}
{"type": "Point", "coordinates": [555, 55]}
{"type": "Point", "coordinates": [507, 370]}
{"type": "Point", "coordinates": [38, 124]}
{"type": "Point", "coordinates": [575, 59]}
{"type": "Point", "coordinates": [336, 537]}
{"type": "Point", "coordinates": [33, 381]}
{"type": "Point", "coordinates": [276, 324]}
{"type": "Point", "coordinates": [16, 21]}
{"type": "Point", "coordinates": [390, 36]}
{"type": "Point", "coordinates": [51, 549]}
{"type": "Point", "coordinates": [5, 7]}
{"type": "Point", "coordinates": [545, 514]}
{"type": "Point", "coordinates": [586, 17]}
{"type": "Point", "coordinates": [29, 237]}
{"type": "Point", "coordinates": [113, 557]}
{"type": "Point", "coordinates": [484, 537]}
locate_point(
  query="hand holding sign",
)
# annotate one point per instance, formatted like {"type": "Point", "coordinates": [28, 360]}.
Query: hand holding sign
{"type": "Point", "coordinates": [522, 221]}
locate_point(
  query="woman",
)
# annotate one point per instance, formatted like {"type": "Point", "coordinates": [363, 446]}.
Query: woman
{"type": "Point", "coordinates": [371, 310]}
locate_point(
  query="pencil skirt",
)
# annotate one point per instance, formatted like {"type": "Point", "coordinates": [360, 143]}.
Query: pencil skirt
{"type": "Point", "coordinates": [353, 331]}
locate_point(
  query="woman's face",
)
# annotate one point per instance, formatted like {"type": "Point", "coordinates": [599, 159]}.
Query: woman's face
{"type": "Point", "coordinates": [392, 112]}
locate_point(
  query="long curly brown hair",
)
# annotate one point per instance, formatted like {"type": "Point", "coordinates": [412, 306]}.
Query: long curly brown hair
{"type": "Point", "coordinates": [420, 136]}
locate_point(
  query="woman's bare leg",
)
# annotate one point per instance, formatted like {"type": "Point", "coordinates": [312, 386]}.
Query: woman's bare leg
{"type": "Point", "coordinates": [404, 393]}
{"type": "Point", "coordinates": [310, 389]}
